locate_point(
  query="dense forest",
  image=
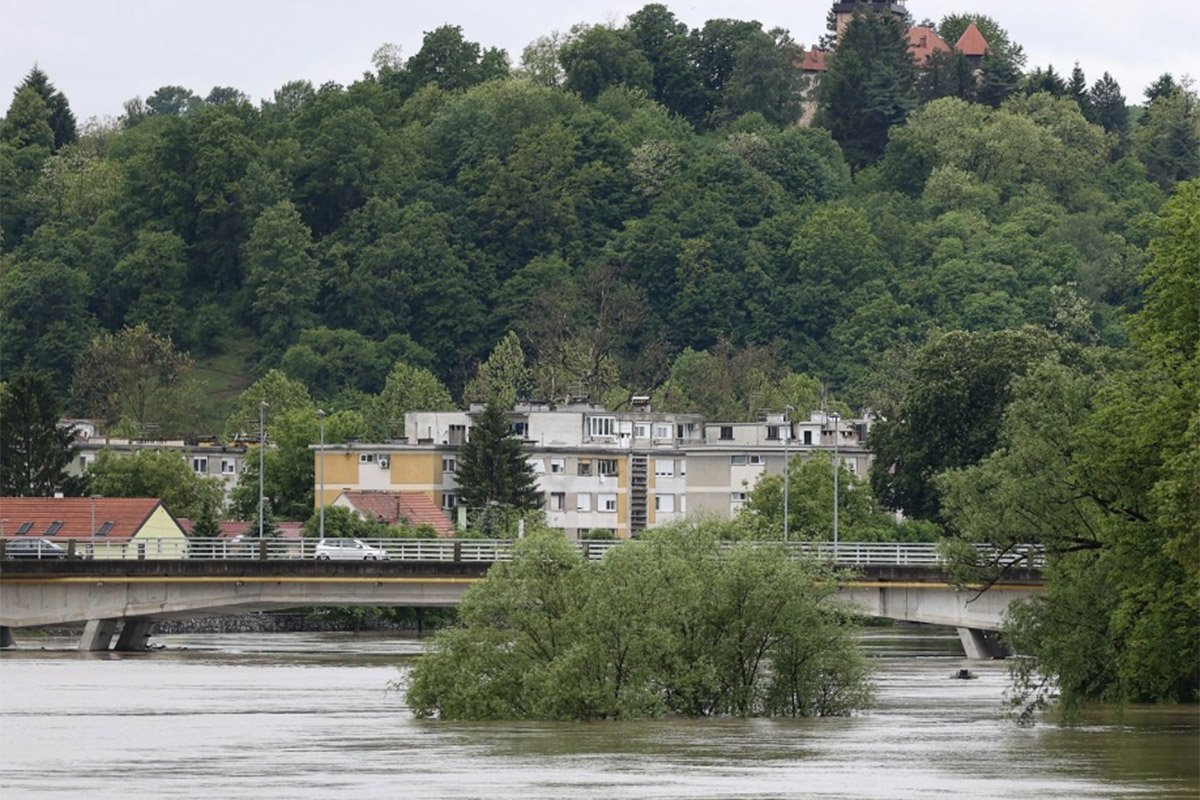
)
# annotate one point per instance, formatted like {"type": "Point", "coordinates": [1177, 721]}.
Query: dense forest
{"type": "Point", "coordinates": [634, 203]}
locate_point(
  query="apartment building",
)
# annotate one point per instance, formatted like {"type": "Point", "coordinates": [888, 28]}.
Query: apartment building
{"type": "Point", "coordinates": [619, 472]}
{"type": "Point", "coordinates": [206, 458]}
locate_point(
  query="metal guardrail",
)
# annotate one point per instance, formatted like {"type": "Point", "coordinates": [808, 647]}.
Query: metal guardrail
{"type": "Point", "coordinates": [492, 550]}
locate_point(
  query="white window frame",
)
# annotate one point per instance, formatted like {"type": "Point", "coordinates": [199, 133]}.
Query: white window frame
{"type": "Point", "coordinates": [228, 466]}
{"type": "Point", "coordinates": [602, 427]}
{"type": "Point", "coordinates": [449, 464]}
{"type": "Point", "coordinates": [583, 501]}
{"type": "Point", "coordinates": [754, 459]}
{"type": "Point", "coordinates": [664, 503]}
{"type": "Point", "coordinates": [738, 461]}
{"type": "Point", "coordinates": [602, 464]}
{"type": "Point", "coordinates": [664, 468]}
{"type": "Point", "coordinates": [557, 501]}
{"type": "Point", "coordinates": [558, 466]}
{"type": "Point", "coordinates": [663, 430]}
{"type": "Point", "coordinates": [449, 500]}
{"type": "Point", "coordinates": [200, 465]}
{"type": "Point", "coordinates": [606, 503]}
{"type": "Point", "coordinates": [737, 497]}
{"type": "Point", "coordinates": [366, 458]}
{"type": "Point", "coordinates": [641, 430]}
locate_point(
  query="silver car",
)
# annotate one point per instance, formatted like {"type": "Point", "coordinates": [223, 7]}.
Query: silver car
{"type": "Point", "coordinates": [348, 550]}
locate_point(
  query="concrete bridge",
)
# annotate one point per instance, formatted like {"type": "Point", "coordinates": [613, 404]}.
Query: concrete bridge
{"type": "Point", "coordinates": [125, 598]}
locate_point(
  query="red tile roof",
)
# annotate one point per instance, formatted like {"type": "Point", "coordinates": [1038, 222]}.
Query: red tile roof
{"type": "Point", "coordinates": [924, 42]}
{"type": "Point", "coordinates": [124, 515]}
{"type": "Point", "coordinates": [972, 43]}
{"type": "Point", "coordinates": [813, 61]}
{"type": "Point", "coordinates": [397, 508]}
{"type": "Point", "coordinates": [231, 528]}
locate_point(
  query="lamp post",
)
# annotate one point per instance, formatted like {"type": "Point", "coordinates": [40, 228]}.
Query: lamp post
{"type": "Point", "coordinates": [262, 447]}
{"type": "Point", "coordinates": [836, 469]}
{"type": "Point", "coordinates": [321, 499]}
{"type": "Point", "coordinates": [787, 435]}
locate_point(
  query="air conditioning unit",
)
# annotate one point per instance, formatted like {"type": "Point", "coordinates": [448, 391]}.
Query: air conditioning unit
{"type": "Point", "coordinates": [384, 463]}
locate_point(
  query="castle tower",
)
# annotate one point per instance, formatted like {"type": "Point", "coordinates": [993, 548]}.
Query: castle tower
{"type": "Point", "coordinates": [842, 11]}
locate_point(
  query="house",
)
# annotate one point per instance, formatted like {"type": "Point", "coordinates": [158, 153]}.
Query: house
{"type": "Point", "coordinates": [397, 508]}
{"type": "Point", "coordinates": [103, 527]}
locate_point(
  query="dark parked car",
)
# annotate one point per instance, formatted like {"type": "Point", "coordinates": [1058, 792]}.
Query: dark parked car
{"type": "Point", "coordinates": [33, 548]}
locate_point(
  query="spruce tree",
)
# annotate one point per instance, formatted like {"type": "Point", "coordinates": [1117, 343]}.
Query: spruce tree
{"type": "Point", "coordinates": [493, 473]}
{"type": "Point", "coordinates": [62, 120]}
{"type": "Point", "coordinates": [869, 86]}
{"type": "Point", "coordinates": [34, 450]}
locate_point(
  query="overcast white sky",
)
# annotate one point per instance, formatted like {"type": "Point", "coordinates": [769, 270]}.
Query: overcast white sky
{"type": "Point", "coordinates": [103, 53]}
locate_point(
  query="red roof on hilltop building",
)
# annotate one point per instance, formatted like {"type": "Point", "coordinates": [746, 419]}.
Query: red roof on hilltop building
{"type": "Point", "coordinates": [972, 43]}
{"type": "Point", "coordinates": [813, 60]}
{"type": "Point", "coordinates": [401, 508]}
{"type": "Point", "coordinates": [114, 518]}
{"type": "Point", "coordinates": [924, 42]}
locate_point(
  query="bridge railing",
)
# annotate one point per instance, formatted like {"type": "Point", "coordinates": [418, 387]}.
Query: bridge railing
{"type": "Point", "coordinates": [491, 550]}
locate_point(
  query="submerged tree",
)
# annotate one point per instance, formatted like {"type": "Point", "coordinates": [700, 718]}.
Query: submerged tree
{"type": "Point", "coordinates": [674, 623]}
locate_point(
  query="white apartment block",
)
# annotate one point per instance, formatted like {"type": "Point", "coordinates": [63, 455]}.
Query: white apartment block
{"type": "Point", "coordinates": [599, 470]}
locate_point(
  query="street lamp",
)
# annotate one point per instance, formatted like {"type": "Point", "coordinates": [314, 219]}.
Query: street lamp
{"type": "Point", "coordinates": [787, 435]}
{"type": "Point", "coordinates": [321, 499]}
{"type": "Point", "coordinates": [262, 446]}
{"type": "Point", "coordinates": [836, 469]}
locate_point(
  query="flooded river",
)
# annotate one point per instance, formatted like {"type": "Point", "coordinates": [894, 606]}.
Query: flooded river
{"type": "Point", "coordinates": [311, 716]}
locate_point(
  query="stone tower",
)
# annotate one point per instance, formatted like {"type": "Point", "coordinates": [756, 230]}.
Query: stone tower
{"type": "Point", "coordinates": [842, 11]}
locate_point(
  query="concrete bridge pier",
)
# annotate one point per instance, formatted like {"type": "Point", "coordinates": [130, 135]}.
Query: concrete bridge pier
{"type": "Point", "coordinates": [980, 644]}
{"type": "Point", "coordinates": [97, 635]}
{"type": "Point", "coordinates": [7, 641]}
{"type": "Point", "coordinates": [134, 633]}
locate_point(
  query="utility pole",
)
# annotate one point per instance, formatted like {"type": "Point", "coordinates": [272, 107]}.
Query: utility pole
{"type": "Point", "coordinates": [787, 435]}
{"type": "Point", "coordinates": [262, 448]}
{"type": "Point", "coordinates": [321, 499]}
{"type": "Point", "coordinates": [836, 469]}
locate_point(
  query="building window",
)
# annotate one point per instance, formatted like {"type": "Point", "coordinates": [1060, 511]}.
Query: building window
{"type": "Point", "coordinates": [754, 458]}
{"type": "Point", "coordinates": [537, 465]}
{"type": "Point", "coordinates": [607, 502]}
{"type": "Point", "coordinates": [449, 500]}
{"type": "Point", "coordinates": [200, 465]}
{"type": "Point", "coordinates": [773, 433]}
{"type": "Point", "coordinates": [664, 503]}
{"type": "Point", "coordinates": [808, 437]}
{"type": "Point", "coordinates": [558, 466]}
{"type": "Point", "coordinates": [449, 464]}
{"type": "Point", "coordinates": [662, 430]}
{"type": "Point", "coordinates": [458, 434]}
{"type": "Point", "coordinates": [737, 461]}
{"type": "Point", "coordinates": [737, 497]}
{"type": "Point", "coordinates": [366, 458]}
{"type": "Point", "coordinates": [228, 466]}
{"type": "Point", "coordinates": [664, 467]}
{"type": "Point", "coordinates": [683, 467]}
{"type": "Point", "coordinates": [641, 430]}
{"type": "Point", "coordinates": [726, 432]}
{"type": "Point", "coordinates": [585, 466]}
{"type": "Point", "coordinates": [683, 504]}
{"type": "Point", "coordinates": [557, 501]}
{"type": "Point", "coordinates": [606, 466]}
{"type": "Point", "coordinates": [519, 429]}
{"type": "Point", "coordinates": [583, 502]}
{"type": "Point", "coordinates": [600, 426]}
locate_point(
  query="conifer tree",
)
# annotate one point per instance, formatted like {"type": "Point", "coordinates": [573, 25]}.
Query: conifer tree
{"type": "Point", "coordinates": [34, 450]}
{"type": "Point", "coordinates": [493, 472]}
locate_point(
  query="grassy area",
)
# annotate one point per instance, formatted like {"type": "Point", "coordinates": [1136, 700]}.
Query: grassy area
{"type": "Point", "coordinates": [222, 377]}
